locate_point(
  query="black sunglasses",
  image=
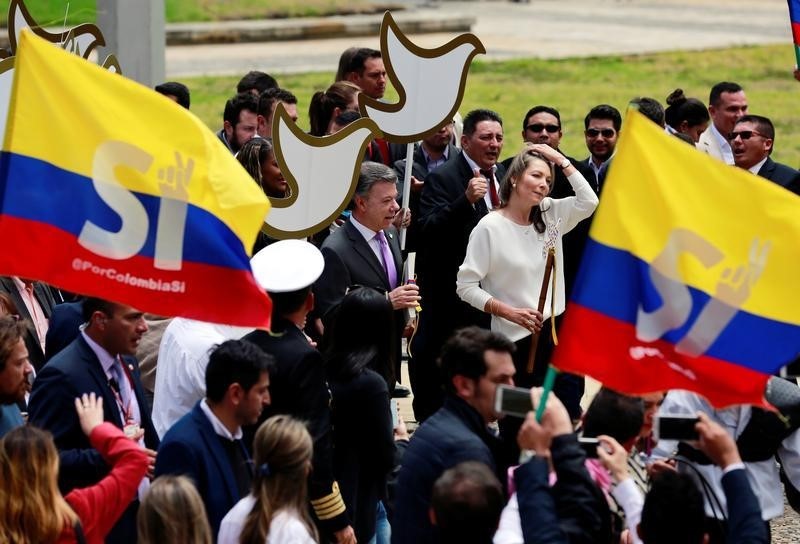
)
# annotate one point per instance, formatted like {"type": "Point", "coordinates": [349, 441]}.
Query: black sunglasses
{"type": "Point", "coordinates": [538, 127]}
{"type": "Point", "coordinates": [606, 132]}
{"type": "Point", "coordinates": [743, 134]}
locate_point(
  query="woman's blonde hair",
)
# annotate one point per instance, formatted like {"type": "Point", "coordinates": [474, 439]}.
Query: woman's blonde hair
{"type": "Point", "coordinates": [32, 509]}
{"type": "Point", "coordinates": [282, 453]}
{"type": "Point", "coordinates": [172, 511]}
{"type": "Point", "coordinates": [518, 167]}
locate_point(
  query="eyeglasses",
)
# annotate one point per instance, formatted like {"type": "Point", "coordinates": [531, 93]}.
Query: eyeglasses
{"type": "Point", "coordinates": [606, 132]}
{"type": "Point", "coordinates": [538, 127]}
{"type": "Point", "coordinates": [743, 134]}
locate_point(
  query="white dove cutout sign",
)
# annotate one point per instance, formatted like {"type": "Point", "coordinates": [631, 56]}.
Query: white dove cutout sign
{"type": "Point", "coordinates": [430, 83]}
{"type": "Point", "coordinates": [81, 40]}
{"type": "Point", "coordinates": [323, 172]}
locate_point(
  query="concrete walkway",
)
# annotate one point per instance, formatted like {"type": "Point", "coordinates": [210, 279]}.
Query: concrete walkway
{"type": "Point", "coordinates": [541, 28]}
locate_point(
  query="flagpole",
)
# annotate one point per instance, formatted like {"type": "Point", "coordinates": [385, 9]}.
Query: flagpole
{"type": "Point", "coordinates": [794, 22]}
{"type": "Point", "coordinates": [407, 189]}
{"type": "Point", "coordinates": [549, 381]}
{"type": "Point", "coordinates": [548, 268]}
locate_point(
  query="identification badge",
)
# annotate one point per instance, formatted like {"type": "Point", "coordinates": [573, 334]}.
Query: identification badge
{"type": "Point", "coordinates": [131, 430]}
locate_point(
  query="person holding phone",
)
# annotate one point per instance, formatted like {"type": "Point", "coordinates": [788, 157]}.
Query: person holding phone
{"type": "Point", "coordinates": [751, 429]}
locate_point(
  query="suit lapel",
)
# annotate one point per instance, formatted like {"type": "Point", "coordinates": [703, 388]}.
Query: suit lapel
{"type": "Point", "coordinates": [361, 247]}
{"type": "Point", "coordinates": [465, 174]}
{"type": "Point", "coordinates": [44, 298]}
{"type": "Point", "coordinates": [98, 375]}
{"type": "Point", "coordinates": [767, 169]}
{"type": "Point", "coordinates": [11, 290]}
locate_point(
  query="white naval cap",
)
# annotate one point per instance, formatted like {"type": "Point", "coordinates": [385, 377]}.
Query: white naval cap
{"type": "Point", "coordinates": [287, 265]}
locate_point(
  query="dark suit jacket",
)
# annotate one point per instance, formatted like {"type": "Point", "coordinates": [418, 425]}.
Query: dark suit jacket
{"type": "Point", "coordinates": [364, 445]}
{"type": "Point", "coordinates": [45, 299]}
{"type": "Point", "coordinates": [446, 219]}
{"type": "Point", "coordinates": [298, 388]}
{"type": "Point", "coordinates": [350, 261]}
{"type": "Point", "coordinates": [419, 170]}
{"type": "Point", "coordinates": [586, 169]}
{"type": "Point", "coordinates": [64, 327]}
{"type": "Point", "coordinates": [783, 175]}
{"type": "Point", "coordinates": [744, 513]}
{"type": "Point", "coordinates": [74, 371]}
{"type": "Point", "coordinates": [191, 447]}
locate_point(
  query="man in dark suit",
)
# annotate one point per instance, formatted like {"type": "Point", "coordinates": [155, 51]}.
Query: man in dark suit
{"type": "Point", "coordinates": [35, 303]}
{"type": "Point", "coordinates": [542, 125]}
{"type": "Point", "coordinates": [286, 270]}
{"type": "Point", "coordinates": [99, 360]}
{"type": "Point", "coordinates": [601, 130]}
{"type": "Point", "coordinates": [366, 251]}
{"type": "Point", "coordinates": [455, 197]}
{"type": "Point", "coordinates": [206, 444]}
{"type": "Point", "coordinates": [433, 151]}
{"type": "Point", "coordinates": [752, 141]}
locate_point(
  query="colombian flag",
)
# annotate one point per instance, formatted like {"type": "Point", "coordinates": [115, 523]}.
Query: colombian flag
{"type": "Point", "coordinates": [794, 16]}
{"type": "Point", "coordinates": [689, 278]}
{"type": "Point", "coordinates": [109, 189]}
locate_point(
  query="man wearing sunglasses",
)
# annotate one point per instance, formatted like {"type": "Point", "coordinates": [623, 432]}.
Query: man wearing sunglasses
{"type": "Point", "coordinates": [752, 140]}
{"type": "Point", "coordinates": [542, 125]}
{"type": "Point", "coordinates": [601, 125]}
{"type": "Point", "coordinates": [727, 104]}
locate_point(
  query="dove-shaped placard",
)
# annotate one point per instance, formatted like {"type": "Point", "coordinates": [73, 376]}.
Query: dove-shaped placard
{"type": "Point", "coordinates": [80, 40]}
{"type": "Point", "coordinates": [321, 172]}
{"type": "Point", "coordinates": [430, 83]}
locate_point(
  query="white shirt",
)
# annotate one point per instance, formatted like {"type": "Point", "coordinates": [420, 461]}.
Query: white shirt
{"type": "Point", "coordinates": [724, 144]}
{"type": "Point", "coordinates": [763, 475]}
{"type": "Point", "coordinates": [219, 427]}
{"type": "Point", "coordinates": [286, 527]}
{"type": "Point", "coordinates": [182, 360]}
{"type": "Point", "coordinates": [756, 167]}
{"type": "Point", "coordinates": [487, 198]}
{"type": "Point", "coordinates": [504, 260]}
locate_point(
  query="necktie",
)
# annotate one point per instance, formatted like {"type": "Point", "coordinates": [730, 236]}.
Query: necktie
{"type": "Point", "coordinates": [118, 382]}
{"type": "Point", "coordinates": [495, 199]}
{"type": "Point", "coordinates": [388, 259]}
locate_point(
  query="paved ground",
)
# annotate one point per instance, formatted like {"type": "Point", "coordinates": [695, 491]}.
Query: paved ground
{"type": "Point", "coordinates": [541, 28]}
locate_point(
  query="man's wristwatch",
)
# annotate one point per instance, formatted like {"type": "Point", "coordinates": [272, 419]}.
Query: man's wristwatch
{"type": "Point", "coordinates": [565, 163]}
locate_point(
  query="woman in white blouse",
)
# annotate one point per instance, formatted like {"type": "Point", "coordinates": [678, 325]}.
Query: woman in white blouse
{"type": "Point", "coordinates": [276, 510]}
{"type": "Point", "coordinates": [504, 267]}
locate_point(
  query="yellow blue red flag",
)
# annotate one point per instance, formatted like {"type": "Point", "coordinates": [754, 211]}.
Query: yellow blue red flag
{"type": "Point", "coordinates": [109, 189]}
{"type": "Point", "coordinates": [689, 278]}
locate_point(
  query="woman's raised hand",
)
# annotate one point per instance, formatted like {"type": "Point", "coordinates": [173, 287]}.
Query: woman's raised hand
{"type": "Point", "coordinates": [90, 411]}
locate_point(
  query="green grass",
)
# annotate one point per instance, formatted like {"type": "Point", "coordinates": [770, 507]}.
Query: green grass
{"type": "Point", "coordinates": [51, 12]}
{"type": "Point", "coordinates": [574, 86]}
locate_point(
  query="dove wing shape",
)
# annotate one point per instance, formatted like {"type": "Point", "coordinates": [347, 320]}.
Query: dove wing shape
{"type": "Point", "coordinates": [430, 83]}
{"type": "Point", "coordinates": [322, 174]}
{"type": "Point", "coordinates": [80, 40]}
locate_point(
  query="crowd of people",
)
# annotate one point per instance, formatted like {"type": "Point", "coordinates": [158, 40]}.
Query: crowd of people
{"type": "Point", "coordinates": [121, 426]}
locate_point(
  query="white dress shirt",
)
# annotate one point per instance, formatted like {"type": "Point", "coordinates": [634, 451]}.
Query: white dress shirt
{"type": "Point", "coordinates": [182, 360]}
